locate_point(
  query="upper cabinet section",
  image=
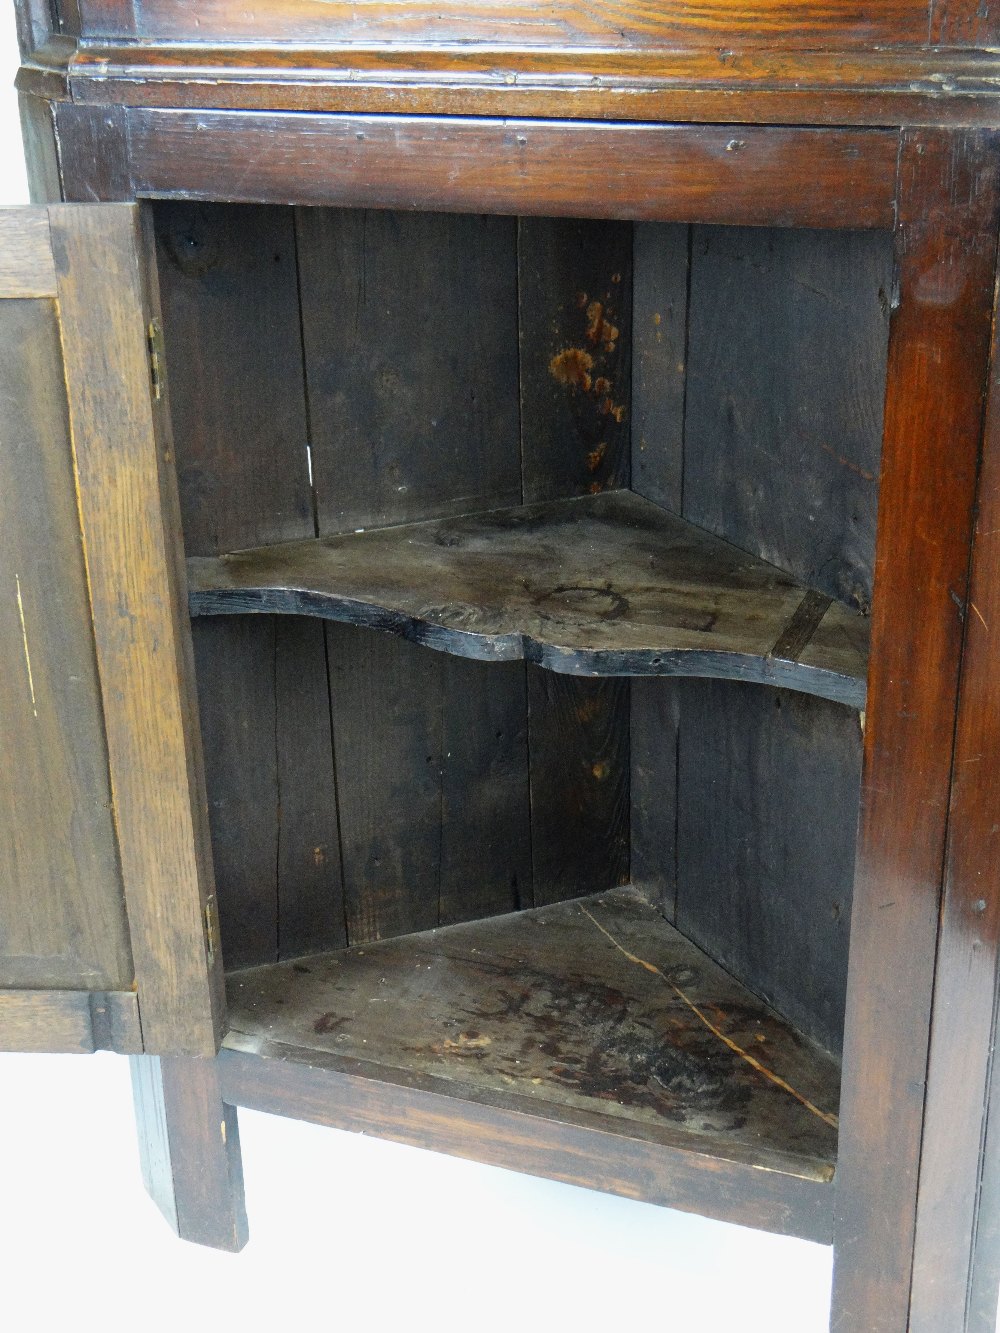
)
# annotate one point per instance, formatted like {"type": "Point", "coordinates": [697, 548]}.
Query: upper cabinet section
{"type": "Point", "coordinates": [808, 62]}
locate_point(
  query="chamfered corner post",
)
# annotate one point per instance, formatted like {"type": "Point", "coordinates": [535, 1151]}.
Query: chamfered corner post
{"type": "Point", "coordinates": [892, 1141]}
{"type": "Point", "coordinates": [189, 1149]}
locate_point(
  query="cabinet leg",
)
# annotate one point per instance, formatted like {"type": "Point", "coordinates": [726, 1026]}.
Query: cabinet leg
{"type": "Point", "coordinates": [189, 1148]}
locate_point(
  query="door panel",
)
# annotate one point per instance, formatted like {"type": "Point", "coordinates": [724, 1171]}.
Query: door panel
{"type": "Point", "coordinates": [105, 873]}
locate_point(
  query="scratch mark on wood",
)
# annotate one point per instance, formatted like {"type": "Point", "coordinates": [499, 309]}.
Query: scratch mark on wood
{"type": "Point", "coordinates": [24, 640]}
{"type": "Point", "coordinates": [980, 615]}
{"type": "Point", "coordinates": [752, 1061]}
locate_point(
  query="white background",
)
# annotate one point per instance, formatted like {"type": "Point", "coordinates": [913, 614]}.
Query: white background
{"type": "Point", "coordinates": [347, 1232]}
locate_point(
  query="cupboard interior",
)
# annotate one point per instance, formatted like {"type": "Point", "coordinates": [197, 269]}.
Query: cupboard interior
{"type": "Point", "coordinates": [336, 370]}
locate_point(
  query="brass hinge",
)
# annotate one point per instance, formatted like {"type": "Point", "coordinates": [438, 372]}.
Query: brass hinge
{"type": "Point", "coordinates": [211, 927]}
{"type": "Point", "coordinates": [154, 341]}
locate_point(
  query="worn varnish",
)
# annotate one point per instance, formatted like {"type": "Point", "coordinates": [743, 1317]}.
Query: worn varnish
{"type": "Point", "coordinates": [607, 584]}
{"type": "Point", "coordinates": [594, 1005]}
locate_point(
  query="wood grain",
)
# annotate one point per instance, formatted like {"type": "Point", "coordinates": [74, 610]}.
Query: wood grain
{"type": "Point", "coordinates": [26, 267]}
{"type": "Point", "coordinates": [612, 23]}
{"type": "Point", "coordinates": [69, 1022]}
{"type": "Point", "coordinates": [410, 325]}
{"type": "Point", "coordinates": [131, 546]}
{"type": "Point", "coordinates": [957, 1250]}
{"type": "Point", "coordinates": [604, 584]}
{"type": "Point", "coordinates": [807, 177]}
{"type": "Point", "coordinates": [768, 789]}
{"type": "Point", "coordinates": [189, 1149]}
{"type": "Point", "coordinates": [555, 1011]}
{"type": "Point", "coordinates": [938, 355]}
{"type": "Point", "coordinates": [785, 389]}
{"type": "Point", "coordinates": [574, 286]}
{"type": "Point", "coordinates": [62, 915]}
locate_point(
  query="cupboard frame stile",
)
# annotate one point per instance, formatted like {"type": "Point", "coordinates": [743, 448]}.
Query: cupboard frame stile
{"type": "Point", "coordinates": [913, 1207]}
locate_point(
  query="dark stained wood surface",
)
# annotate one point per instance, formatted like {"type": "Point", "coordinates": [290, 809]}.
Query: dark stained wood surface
{"type": "Point", "coordinates": [579, 759]}
{"type": "Point", "coordinates": [957, 1249]}
{"type": "Point", "coordinates": [786, 359]}
{"type": "Point", "coordinates": [62, 914]}
{"type": "Point", "coordinates": [753, 176]}
{"type": "Point", "coordinates": [768, 797]}
{"type": "Point", "coordinates": [410, 344]}
{"type": "Point", "coordinates": [26, 267]}
{"type": "Point", "coordinates": [239, 412]}
{"type": "Point", "coordinates": [70, 1022]}
{"type": "Point", "coordinates": [574, 288]}
{"type": "Point", "coordinates": [938, 356]}
{"type": "Point", "coordinates": [131, 539]}
{"type": "Point", "coordinates": [595, 1007]}
{"type": "Point", "coordinates": [572, 23]}
{"type": "Point", "coordinates": [880, 85]}
{"type": "Point", "coordinates": [606, 584]}
{"type": "Point", "coordinates": [189, 1149]}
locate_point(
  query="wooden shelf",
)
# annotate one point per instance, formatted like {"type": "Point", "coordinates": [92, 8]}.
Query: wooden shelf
{"type": "Point", "coordinates": [601, 585]}
{"type": "Point", "coordinates": [643, 1067]}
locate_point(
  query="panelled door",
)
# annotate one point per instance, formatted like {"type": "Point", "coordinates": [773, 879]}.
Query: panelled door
{"type": "Point", "coordinates": [107, 934]}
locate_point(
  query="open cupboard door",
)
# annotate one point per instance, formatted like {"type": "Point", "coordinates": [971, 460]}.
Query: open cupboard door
{"type": "Point", "coordinates": [107, 910]}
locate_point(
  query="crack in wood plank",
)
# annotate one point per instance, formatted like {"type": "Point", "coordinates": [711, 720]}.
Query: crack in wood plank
{"type": "Point", "coordinates": [24, 640]}
{"type": "Point", "coordinates": [751, 1060]}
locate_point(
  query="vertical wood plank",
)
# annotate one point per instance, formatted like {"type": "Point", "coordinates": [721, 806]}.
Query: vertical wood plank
{"type": "Point", "coordinates": [654, 731]}
{"type": "Point", "coordinates": [189, 1149]}
{"type": "Point", "coordinates": [410, 343]}
{"type": "Point", "coordinates": [62, 911]}
{"type": "Point", "coordinates": [578, 741]}
{"type": "Point", "coordinates": [786, 379]}
{"type": "Point", "coordinates": [127, 500]}
{"type": "Point", "coordinates": [38, 134]}
{"type": "Point", "coordinates": [93, 153]}
{"type": "Point", "coordinates": [410, 324]}
{"type": "Point", "coordinates": [238, 402]}
{"type": "Point", "coordinates": [661, 269]}
{"type": "Point", "coordinates": [575, 303]}
{"type": "Point", "coordinates": [938, 355]}
{"type": "Point", "coordinates": [769, 783]}
{"type": "Point", "coordinates": [387, 702]}
{"type": "Point", "coordinates": [956, 1266]}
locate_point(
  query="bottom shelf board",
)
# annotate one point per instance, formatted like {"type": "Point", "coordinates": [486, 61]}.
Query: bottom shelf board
{"type": "Point", "coordinates": [590, 1028]}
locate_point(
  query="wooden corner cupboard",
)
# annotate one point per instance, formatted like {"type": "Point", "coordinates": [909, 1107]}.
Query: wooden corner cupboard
{"type": "Point", "coordinates": [500, 595]}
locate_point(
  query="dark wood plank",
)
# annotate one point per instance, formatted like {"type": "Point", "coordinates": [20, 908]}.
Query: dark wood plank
{"type": "Point", "coordinates": [604, 584]}
{"type": "Point", "coordinates": [964, 23]}
{"type": "Point", "coordinates": [94, 158]}
{"type": "Point", "coordinates": [768, 794]}
{"type": "Point", "coordinates": [523, 1140]}
{"type": "Point", "coordinates": [594, 1013]}
{"type": "Point", "coordinates": [432, 785]}
{"type": "Point", "coordinates": [575, 313]}
{"type": "Point", "coordinates": [69, 1022]}
{"type": "Point", "coordinates": [189, 1149]}
{"type": "Point", "coordinates": [669, 173]}
{"type": "Point", "coordinates": [938, 355]}
{"type": "Point", "coordinates": [624, 25]}
{"type": "Point", "coordinates": [238, 404]}
{"type": "Point", "coordinates": [62, 918]}
{"type": "Point", "coordinates": [26, 267]}
{"type": "Point", "coordinates": [38, 134]}
{"type": "Point", "coordinates": [877, 85]}
{"type": "Point", "coordinates": [956, 1269]}
{"type": "Point", "coordinates": [654, 720]}
{"type": "Point", "coordinates": [128, 505]}
{"type": "Point", "coordinates": [410, 325]}
{"type": "Point", "coordinates": [485, 801]}
{"type": "Point", "coordinates": [660, 276]}
{"type": "Point", "coordinates": [785, 391]}
{"type": "Point", "coordinates": [579, 762]}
